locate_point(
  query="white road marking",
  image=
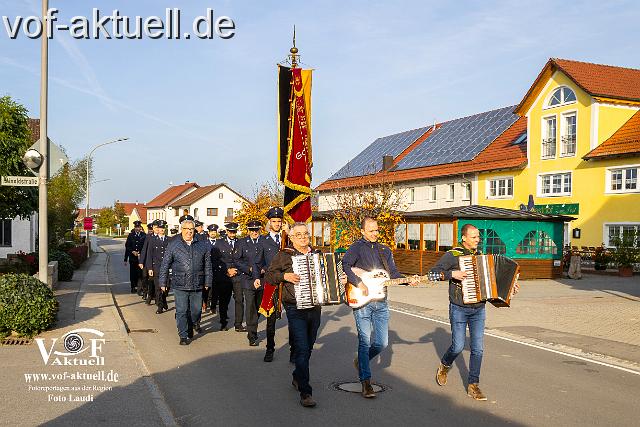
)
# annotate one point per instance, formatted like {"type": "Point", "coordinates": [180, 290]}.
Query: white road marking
{"type": "Point", "coordinates": [597, 362]}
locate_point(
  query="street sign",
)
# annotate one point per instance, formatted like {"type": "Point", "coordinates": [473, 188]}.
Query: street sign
{"type": "Point", "coordinates": [88, 223]}
{"type": "Point", "coordinates": [20, 181]}
{"type": "Point", "coordinates": [57, 159]}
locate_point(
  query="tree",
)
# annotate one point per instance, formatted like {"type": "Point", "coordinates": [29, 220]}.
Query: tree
{"type": "Point", "coordinates": [265, 197]}
{"type": "Point", "coordinates": [15, 140]}
{"type": "Point", "coordinates": [65, 192]}
{"type": "Point", "coordinates": [120, 215]}
{"type": "Point", "coordinates": [382, 202]}
{"type": "Point", "coordinates": [106, 218]}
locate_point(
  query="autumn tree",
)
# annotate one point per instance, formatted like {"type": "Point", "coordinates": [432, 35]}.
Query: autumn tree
{"type": "Point", "coordinates": [106, 218]}
{"type": "Point", "coordinates": [265, 197]}
{"type": "Point", "coordinates": [383, 202]}
{"type": "Point", "coordinates": [120, 215]}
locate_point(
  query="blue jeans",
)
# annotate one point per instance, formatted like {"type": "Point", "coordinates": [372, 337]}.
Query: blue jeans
{"type": "Point", "coordinates": [303, 326]}
{"type": "Point", "coordinates": [460, 317]}
{"type": "Point", "coordinates": [373, 317]}
{"type": "Point", "coordinates": [188, 310]}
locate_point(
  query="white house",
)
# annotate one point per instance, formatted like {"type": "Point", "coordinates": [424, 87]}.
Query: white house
{"type": "Point", "coordinates": [18, 235]}
{"type": "Point", "coordinates": [211, 204]}
{"type": "Point", "coordinates": [159, 207]}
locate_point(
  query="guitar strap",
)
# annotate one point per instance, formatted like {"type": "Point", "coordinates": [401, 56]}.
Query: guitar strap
{"type": "Point", "coordinates": [385, 264]}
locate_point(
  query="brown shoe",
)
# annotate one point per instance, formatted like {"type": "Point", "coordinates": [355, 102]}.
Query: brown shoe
{"type": "Point", "coordinates": [307, 401]}
{"type": "Point", "coordinates": [474, 391]}
{"type": "Point", "coordinates": [441, 374]}
{"type": "Point", "coordinates": [367, 390]}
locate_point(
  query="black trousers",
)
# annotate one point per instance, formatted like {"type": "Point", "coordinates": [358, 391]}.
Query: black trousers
{"type": "Point", "coordinates": [271, 334]}
{"type": "Point", "coordinates": [149, 288]}
{"type": "Point", "coordinates": [238, 297]}
{"type": "Point", "coordinates": [252, 300]}
{"type": "Point", "coordinates": [214, 295]}
{"type": "Point", "coordinates": [134, 271]}
{"type": "Point", "coordinates": [161, 297]}
{"type": "Point", "coordinates": [224, 287]}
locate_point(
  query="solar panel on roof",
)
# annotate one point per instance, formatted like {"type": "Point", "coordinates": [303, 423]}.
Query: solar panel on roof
{"type": "Point", "coordinates": [459, 140]}
{"type": "Point", "coordinates": [369, 161]}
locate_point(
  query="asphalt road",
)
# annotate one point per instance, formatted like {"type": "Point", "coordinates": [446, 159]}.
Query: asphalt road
{"type": "Point", "coordinates": [220, 380]}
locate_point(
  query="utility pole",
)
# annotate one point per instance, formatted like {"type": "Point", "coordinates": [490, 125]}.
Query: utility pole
{"type": "Point", "coordinates": [43, 226]}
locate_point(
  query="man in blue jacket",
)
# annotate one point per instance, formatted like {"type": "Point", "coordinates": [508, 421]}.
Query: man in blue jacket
{"type": "Point", "coordinates": [190, 264]}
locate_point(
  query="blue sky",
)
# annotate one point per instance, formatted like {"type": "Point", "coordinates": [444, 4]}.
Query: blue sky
{"type": "Point", "coordinates": [205, 110]}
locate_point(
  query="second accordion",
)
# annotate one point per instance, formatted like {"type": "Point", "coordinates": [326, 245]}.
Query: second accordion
{"type": "Point", "coordinates": [489, 278]}
{"type": "Point", "coordinates": [319, 280]}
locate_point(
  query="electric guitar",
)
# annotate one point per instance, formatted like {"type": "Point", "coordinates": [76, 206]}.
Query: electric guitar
{"type": "Point", "coordinates": [376, 281]}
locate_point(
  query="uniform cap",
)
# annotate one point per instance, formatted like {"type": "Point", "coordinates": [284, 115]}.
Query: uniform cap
{"type": "Point", "coordinates": [137, 223]}
{"type": "Point", "coordinates": [212, 227]}
{"type": "Point", "coordinates": [232, 226]}
{"type": "Point", "coordinates": [254, 225]}
{"type": "Point", "coordinates": [275, 212]}
{"type": "Point", "coordinates": [161, 223]}
{"type": "Point", "coordinates": [198, 223]}
{"type": "Point", "coordinates": [185, 218]}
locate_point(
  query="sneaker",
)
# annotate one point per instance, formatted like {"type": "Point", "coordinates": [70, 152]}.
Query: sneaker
{"type": "Point", "coordinates": [473, 390]}
{"type": "Point", "coordinates": [184, 341]}
{"type": "Point", "coordinates": [367, 390]}
{"type": "Point", "coordinates": [441, 374]}
{"type": "Point", "coordinates": [307, 401]}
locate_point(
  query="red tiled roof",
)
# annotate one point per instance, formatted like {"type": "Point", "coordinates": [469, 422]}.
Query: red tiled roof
{"type": "Point", "coordinates": [597, 80]}
{"type": "Point", "coordinates": [170, 194]}
{"type": "Point", "coordinates": [129, 207]}
{"type": "Point", "coordinates": [500, 154]}
{"type": "Point", "coordinates": [92, 212]}
{"type": "Point", "coordinates": [195, 195]}
{"type": "Point", "coordinates": [625, 141]}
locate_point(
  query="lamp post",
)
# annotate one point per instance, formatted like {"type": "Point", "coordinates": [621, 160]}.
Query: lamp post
{"type": "Point", "coordinates": [43, 173]}
{"type": "Point", "coordinates": [86, 212]}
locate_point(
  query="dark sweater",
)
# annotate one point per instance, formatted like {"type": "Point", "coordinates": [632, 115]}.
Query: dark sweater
{"type": "Point", "coordinates": [449, 263]}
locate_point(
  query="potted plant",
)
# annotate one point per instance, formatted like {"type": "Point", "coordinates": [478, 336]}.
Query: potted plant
{"type": "Point", "coordinates": [626, 254]}
{"type": "Point", "coordinates": [601, 258]}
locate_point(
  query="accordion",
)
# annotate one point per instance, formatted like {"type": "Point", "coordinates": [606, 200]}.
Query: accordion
{"type": "Point", "coordinates": [319, 280]}
{"type": "Point", "coordinates": [489, 278]}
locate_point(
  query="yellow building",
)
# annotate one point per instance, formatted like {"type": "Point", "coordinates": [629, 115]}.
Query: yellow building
{"type": "Point", "coordinates": [583, 152]}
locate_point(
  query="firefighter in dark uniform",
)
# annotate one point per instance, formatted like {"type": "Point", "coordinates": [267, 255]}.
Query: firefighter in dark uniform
{"type": "Point", "coordinates": [228, 246]}
{"type": "Point", "coordinates": [246, 260]}
{"type": "Point", "coordinates": [220, 264]}
{"type": "Point", "coordinates": [270, 245]}
{"type": "Point", "coordinates": [199, 234]}
{"type": "Point", "coordinates": [153, 261]}
{"type": "Point", "coordinates": [132, 248]}
{"type": "Point", "coordinates": [147, 282]}
{"type": "Point", "coordinates": [211, 300]}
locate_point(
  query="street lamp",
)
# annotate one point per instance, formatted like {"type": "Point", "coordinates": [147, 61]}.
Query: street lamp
{"type": "Point", "coordinates": [86, 212]}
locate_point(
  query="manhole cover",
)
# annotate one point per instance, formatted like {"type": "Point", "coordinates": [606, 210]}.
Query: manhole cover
{"type": "Point", "coordinates": [356, 387]}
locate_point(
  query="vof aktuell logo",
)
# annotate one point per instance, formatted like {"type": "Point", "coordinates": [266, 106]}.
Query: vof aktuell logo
{"type": "Point", "coordinates": [79, 351]}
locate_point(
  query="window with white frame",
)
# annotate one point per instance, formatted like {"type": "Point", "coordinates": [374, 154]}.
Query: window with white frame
{"type": "Point", "coordinates": [466, 191]}
{"type": "Point", "coordinates": [229, 212]}
{"type": "Point", "coordinates": [623, 180]}
{"type": "Point", "coordinates": [431, 193]}
{"type": "Point", "coordinates": [220, 195]}
{"type": "Point", "coordinates": [500, 188]}
{"type": "Point", "coordinates": [452, 191]}
{"type": "Point", "coordinates": [560, 96]}
{"type": "Point", "coordinates": [549, 138]}
{"type": "Point", "coordinates": [412, 195]}
{"type": "Point", "coordinates": [557, 184]}
{"type": "Point", "coordinates": [568, 139]}
{"type": "Point", "coordinates": [615, 233]}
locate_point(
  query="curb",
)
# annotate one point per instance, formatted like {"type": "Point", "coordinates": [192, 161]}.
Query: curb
{"type": "Point", "coordinates": [164, 412]}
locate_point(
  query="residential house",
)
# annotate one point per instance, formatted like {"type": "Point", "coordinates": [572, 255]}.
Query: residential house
{"type": "Point", "coordinates": [583, 152]}
{"type": "Point", "coordinates": [159, 207]}
{"type": "Point", "coordinates": [135, 212]}
{"type": "Point", "coordinates": [211, 204]}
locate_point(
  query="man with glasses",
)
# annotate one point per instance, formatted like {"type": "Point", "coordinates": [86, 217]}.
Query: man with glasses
{"type": "Point", "coordinates": [190, 264]}
{"type": "Point", "coordinates": [303, 323]}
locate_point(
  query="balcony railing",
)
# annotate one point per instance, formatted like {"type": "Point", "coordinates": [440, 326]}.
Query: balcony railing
{"type": "Point", "coordinates": [568, 145]}
{"type": "Point", "coordinates": [548, 148]}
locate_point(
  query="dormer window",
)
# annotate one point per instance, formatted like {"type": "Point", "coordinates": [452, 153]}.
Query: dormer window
{"type": "Point", "coordinates": [562, 95]}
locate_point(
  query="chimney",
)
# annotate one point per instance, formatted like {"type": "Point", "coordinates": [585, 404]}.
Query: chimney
{"type": "Point", "coordinates": [387, 162]}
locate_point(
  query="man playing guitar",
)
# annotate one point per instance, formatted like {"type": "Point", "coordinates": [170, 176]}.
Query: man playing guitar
{"type": "Point", "coordinates": [367, 254]}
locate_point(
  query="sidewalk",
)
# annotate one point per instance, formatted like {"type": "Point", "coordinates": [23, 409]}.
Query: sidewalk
{"type": "Point", "coordinates": [596, 316]}
{"type": "Point", "coordinates": [72, 394]}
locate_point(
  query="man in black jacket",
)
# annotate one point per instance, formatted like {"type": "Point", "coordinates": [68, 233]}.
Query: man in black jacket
{"type": "Point", "coordinates": [190, 264]}
{"type": "Point", "coordinates": [246, 259]}
{"type": "Point", "coordinates": [133, 246]}
{"type": "Point", "coordinates": [228, 248]}
{"type": "Point", "coordinates": [461, 314]}
{"type": "Point", "coordinates": [156, 247]}
{"type": "Point", "coordinates": [303, 323]}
